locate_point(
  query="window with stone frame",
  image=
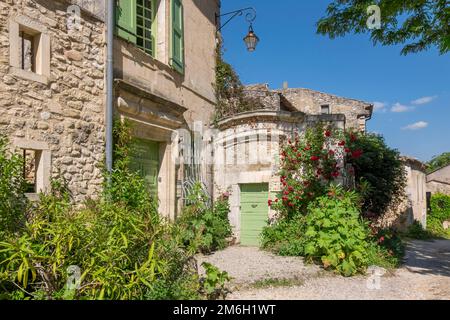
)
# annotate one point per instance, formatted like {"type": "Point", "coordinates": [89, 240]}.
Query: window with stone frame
{"type": "Point", "coordinates": [36, 165]}
{"type": "Point", "coordinates": [325, 109]}
{"type": "Point", "coordinates": [29, 49]}
{"type": "Point", "coordinates": [30, 157]}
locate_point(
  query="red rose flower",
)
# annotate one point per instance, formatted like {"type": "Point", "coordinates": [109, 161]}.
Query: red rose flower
{"type": "Point", "coordinates": [335, 174]}
{"type": "Point", "coordinates": [328, 133]}
{"type": "Point", "coordinates": [315, 158]}
{"type": "Point", "coordinates": [347, 150]}
{"type": "Point", "coordinates": [331, 153]}
{"type": "Point", "coordinates": [342, 143]}
{"type": "Point", "coordinates": [270, 203]}
{"type": "Point", "coordinates": [357, 154]}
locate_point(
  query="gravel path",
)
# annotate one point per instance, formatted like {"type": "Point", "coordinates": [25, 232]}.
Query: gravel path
{"type": "Point", "coordinates": [257, 275]}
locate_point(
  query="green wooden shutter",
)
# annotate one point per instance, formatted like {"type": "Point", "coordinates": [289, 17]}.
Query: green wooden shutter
{"type": "Point", "coordinates": [177, 36]}
{"type": "Point", "coordinates": [126, 19]}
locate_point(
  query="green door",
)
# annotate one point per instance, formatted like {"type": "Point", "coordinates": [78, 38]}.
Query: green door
{"type": "Point", "coordinates": [254, 212]}
{"type": "Point", "coordinates": [145, 161]}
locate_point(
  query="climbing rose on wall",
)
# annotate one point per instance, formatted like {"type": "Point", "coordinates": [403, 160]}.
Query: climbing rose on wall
{"type": "Point", "coordinates": [310, 162]}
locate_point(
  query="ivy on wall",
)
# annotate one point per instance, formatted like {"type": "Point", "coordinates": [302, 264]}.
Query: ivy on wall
{"type": "Point", "coordinates": [230, 95]}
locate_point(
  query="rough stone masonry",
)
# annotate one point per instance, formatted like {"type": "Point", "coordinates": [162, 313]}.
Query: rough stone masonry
{"type": "Point", "coordinates": [67, 112]}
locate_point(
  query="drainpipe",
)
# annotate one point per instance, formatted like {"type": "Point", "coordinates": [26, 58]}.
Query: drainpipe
{"type": "Point", "coordinates": [110, 25]}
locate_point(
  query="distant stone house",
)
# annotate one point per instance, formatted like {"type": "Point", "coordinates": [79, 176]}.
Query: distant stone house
{"type": "Point", "coordinates": [438, 181]}
{"type": "Point", "coordinates": [52, 88]}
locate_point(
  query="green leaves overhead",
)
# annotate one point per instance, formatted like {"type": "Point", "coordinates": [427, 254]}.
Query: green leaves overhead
{"type": "Point", "coordinates": [417, 24]}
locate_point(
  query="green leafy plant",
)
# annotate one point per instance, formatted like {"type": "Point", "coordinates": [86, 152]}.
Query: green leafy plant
{"type": "Point", "coordinates": [379, 172]}
{"type": "Point", "coordinates": [336, 234]}
{"type": "Point", "coordinates": [440, 212]}
{"type": "Point", "coordinates": [418, 25]}
{"type": "Point", "coordinates": [285, 236]}
{"type": "Point", "coordinates": [119, 244]}
{"type": "Point", "coordinates": [214, 282]}
{"type": "Point", "coordinates": [13, 202]}
{"type": "Point", "coordinates": [205, 228]}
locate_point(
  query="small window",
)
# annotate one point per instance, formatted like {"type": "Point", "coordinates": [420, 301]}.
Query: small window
{"type": "Point", "coordinates": [27, 52]}
{"type": "Point", "coordinates": [36, 168]}
{"type": "Point", "coordinates": [325, 109]}
{"type": "Point", "coordinates": [30, 163]}
{"type": "Point", "coordinates": [29, 49]}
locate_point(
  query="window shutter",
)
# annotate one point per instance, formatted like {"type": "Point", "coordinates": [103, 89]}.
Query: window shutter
{"type": "Point", "coordinates": [177, 36]}
{"type": "Point", "coordinates": [126, 19]}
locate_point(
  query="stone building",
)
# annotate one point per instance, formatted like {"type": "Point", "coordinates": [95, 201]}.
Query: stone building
{"type": "Point", "coordinates": [52, 89]}
{"type": "Point", "coordinates": [52, 92]}
{"type": "Point", "coordinates": [164, 78]}
{"type": "Point", "coordinates": [311, 102]}
{"type": "Point", "coordinates": [247, 145]}
{"type": "Point", "coordinates": [438, 181]}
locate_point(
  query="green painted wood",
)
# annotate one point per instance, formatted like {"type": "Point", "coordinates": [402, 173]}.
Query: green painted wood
{"type": "Point", "coordinates": [178, 36]}
{"type": "Point", "coordinates": [126, 19]}
{"type": "Point", "coordinates": [254, 212]}
{"type": "Point", "coordinates": [145, 161]}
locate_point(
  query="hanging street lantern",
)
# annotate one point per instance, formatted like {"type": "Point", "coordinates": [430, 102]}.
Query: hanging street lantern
{"type": "Point", "coordinates": [251, 39]}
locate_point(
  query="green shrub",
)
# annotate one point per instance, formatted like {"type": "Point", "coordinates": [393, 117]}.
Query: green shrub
{"type": "Point", "coordinates": [440, 212]}
{"type": "Point", "coordinates": [214, 282]}
{"type": "Point", "coordinates": [285, 236]}
{"type": "Point", "coordinates": [386, 249]}
{"type": "Point", "coordinates": [378, 170]}
{"type": "Point", "coordinates": [116, 247]}
{"type": "Point", "coordinates": [416, 231]}
{"type": "Point", "coordinates": [336, 234]}
{"type": "Point", "coordinates": [204, 228]}
{"type": "Point", "coordinates": [12, 191]}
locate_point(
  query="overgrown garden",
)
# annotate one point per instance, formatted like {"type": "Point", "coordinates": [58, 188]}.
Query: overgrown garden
{"type": "Point", "coordinates": [333, 193]}
{"type": "Point", "coordinates": [116, 247]}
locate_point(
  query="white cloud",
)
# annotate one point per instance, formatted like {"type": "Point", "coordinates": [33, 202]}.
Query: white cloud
{"type": "Point", "coordinates": [398, 107]}
{"type": "Point", "coordinates": [379, 106]}
{"type": "Point", "coordinates": [423, 100]}
{"type": "Point", "coordinates": [416, 126]}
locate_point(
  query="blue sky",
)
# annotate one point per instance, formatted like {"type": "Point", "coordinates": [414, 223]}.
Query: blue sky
{"type": "Point", "coordinates": [413, 92]}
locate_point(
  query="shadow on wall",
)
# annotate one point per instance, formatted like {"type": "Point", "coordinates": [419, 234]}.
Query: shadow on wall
{"type": "Point", "coordinates": [206, 9]}
{"type": "Point", "coordinates": [428, 257]}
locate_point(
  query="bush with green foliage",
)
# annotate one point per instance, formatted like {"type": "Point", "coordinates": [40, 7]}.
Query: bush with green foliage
{"type": "Point", "coordinates": [440, 212]}
{"type": "Point", "coordinates": [323, 222]}
{"type": "Point", "coordinates": [214, 282]}
{"type": "Point", "coordinates": [12, 190]}
{"type": "Point", "coordinates": [285, 236]}
{"type": "Point", "coordinates": [336, 235]}
{"type": "Point", "coordinates": [379, 172]}
{"type": "Point", "coordinates": [116, 247]}
{"type": "Point", "coordinates": [204, 228]}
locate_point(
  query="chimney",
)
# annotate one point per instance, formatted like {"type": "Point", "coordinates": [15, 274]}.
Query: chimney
{"type": "Point", "coordinates": [285, 85]}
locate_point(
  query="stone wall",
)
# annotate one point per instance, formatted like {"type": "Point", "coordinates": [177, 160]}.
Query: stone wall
{"type": "Point", "coordinates": [414, 205]}
{"type": "Point", "coordinates": [309, 101]}
{"type": "Point", "coordinates": [66, 114]}
{"type": "Point", "coordinates": [439, 181]}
